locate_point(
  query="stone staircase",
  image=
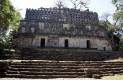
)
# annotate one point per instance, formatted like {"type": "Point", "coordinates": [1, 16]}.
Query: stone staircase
{"type": "Point", "coordinates": [62, 69]}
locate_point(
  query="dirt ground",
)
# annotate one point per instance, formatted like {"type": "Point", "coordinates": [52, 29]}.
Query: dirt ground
{"type": "Point", "coordinates": [50, 79]}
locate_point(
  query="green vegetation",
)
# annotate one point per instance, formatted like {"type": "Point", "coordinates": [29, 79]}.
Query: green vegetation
{"type": "Point", "coordinates": [112, 31]}
{"type": "Point", "coordinates": [9, 21]}
{"type": "Point", "coordinates": [116, 77]}
{"type": "Point", "coordinates": [76, 4]}
{"type": "Point", "coordinates": [9, 16]}
{"type": "Point", "coordinates": [118, 17]}
{"type": "Point", "coordinates": [115, 30]}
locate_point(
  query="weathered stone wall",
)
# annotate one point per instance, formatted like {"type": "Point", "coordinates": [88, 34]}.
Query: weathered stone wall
{"type": "Point", "coordinates": [73, 42]}
{"type": "Point", "coordinates": [82, 42]}
{"type": "Point", "coordinates": [62, 15]}
{"type": "Point", "coordinates": [68, 29]}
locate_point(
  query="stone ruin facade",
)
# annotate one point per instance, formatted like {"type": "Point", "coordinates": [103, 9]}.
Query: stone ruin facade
{"type": "Point", "coordinates": [61, 28]}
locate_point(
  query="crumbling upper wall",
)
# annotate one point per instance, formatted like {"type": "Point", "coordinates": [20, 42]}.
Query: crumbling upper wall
{"type": "Point", "coordinates": [65, 29]}
{"type": "Point", "coordinates": [64, 15]}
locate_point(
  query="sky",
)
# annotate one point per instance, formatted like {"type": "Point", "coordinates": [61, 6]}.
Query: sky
{"type": "Point", "coordinates": [99, 6]}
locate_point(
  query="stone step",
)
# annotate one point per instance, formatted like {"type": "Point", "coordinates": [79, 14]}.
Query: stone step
{"type": "Point", "coordinates": [72, 62]}
{"type": "Point", "coordinates": [44, 73]}
{"type": "Point", "coordinates": [59, 63]}
{"type": "Point", "coordinates": [44, 76]}
{"type": "Point", "coordinates": [70, 67]}
{"type": "Point", "coordinates": [118, 71]}
{"type": "Point", "coordinates": [59, 73]}
{"type": "Point", "coordinates": [56, 66]}
{"type": "Point", "coordinates": [107, 70]}
{"type": "Point", "coordinates": [87, 65]}
{"type": "Point", "coordinates": [65, 67]}
{"type": "Point", "coordinates": [47, 69]}
{"type": "Point", "coordinates": [52, 61]}
{"type": "Point", "coordinates": [115, 68]}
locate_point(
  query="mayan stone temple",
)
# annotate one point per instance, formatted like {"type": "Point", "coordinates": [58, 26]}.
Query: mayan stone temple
{"type": "Point", "coordinates": [62, 28]}
{"type": "Point", "coordinates": [61, 44]}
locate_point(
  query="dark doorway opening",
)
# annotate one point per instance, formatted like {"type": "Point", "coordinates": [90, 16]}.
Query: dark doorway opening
{"type": "Point", "coordinates": [104, 48]}
{"type": "Point", "coordinates": [42, 42]}
{"type": "Point", "coordinates": [66, 44]}
{"type": "Point", "coordinates": [88, 44]}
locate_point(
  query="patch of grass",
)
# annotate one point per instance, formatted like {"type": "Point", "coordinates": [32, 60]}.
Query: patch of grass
{"type": "Point", "coordinates": [116, 77]}
{"type": "Point", "coordinates": [116, 60]}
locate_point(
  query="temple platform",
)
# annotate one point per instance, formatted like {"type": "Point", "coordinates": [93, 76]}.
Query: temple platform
{"type": "Point", "coordinates": [63, 54]}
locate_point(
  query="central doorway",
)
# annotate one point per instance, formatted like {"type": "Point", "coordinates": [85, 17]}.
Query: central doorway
{"type": "Point", "coordinates": [88, 44]}
{"type": "Point", "coordinates": [66, 43]}
{"type": "Point", "coordinates": [42, 44]}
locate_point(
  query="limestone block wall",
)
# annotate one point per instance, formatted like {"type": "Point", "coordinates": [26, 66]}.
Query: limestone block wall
{"type": "Point", "coordinates": [82, 43]}
{"type": "Point", "coordinates": [101, 43]}
{"type": "Point", "coordinates": [73, 42]}
{"type": "Point", "coordinates": [37, 41]}
{"type": "Point", "coordinates": [23, 42]}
